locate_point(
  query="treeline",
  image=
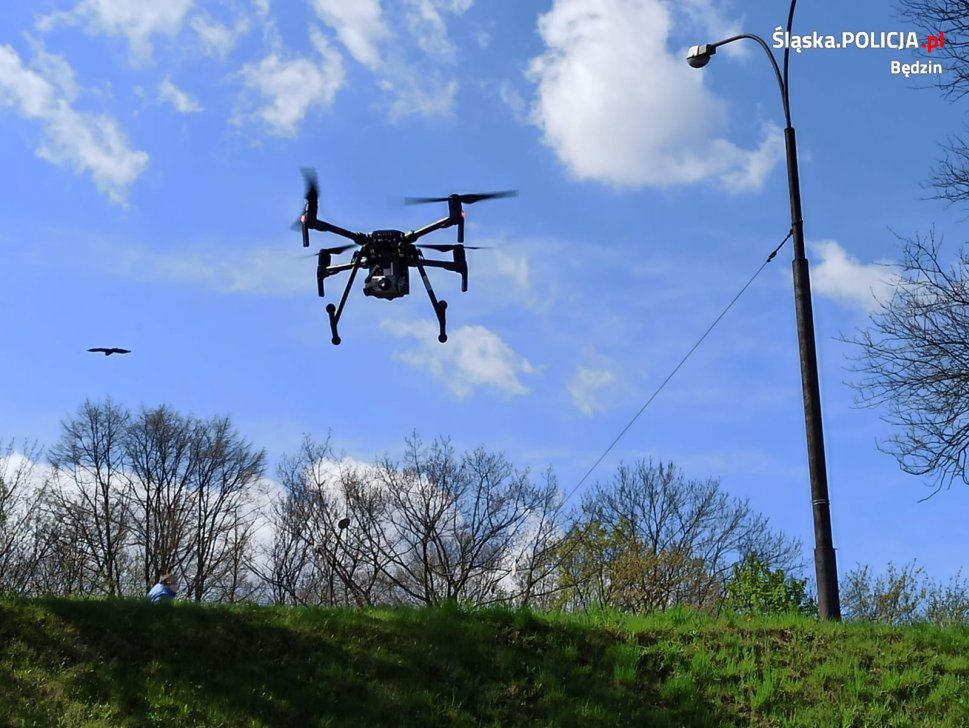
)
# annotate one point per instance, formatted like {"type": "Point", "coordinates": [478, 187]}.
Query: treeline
{"type": "Point", "coordinates": [124, 496]}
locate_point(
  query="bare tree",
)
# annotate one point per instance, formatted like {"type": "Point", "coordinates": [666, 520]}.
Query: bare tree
{"type": "Point", "coordinates": [914, 362]}
{"type": "Point", "coordinates": [455, 523]}
{"type": "Point", "coordinates": [158, 447]}
{"type": "Point", "coordinates": [20, 515]}
{"type": "Point", "coordinates": [224, 468]}
{"type": "Point", "coordinates": [652, 539]}
{"type": "Point", "coordinates": [534, 574]}
{"type": "Point", "coordinates": [952, 18]}
{"type": "Point", "coordinates": [91, 493]}
{"type": "Point", "coordinates": [314, 559]}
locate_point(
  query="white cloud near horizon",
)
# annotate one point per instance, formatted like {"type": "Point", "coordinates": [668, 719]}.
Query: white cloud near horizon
{"type": "Point", "coordinates": [617, 105]}
{"type": "Point", "coordinates": [135, 20]}
{"type": "Point", "coordinates": [844, 278]}
{"type": "Point", "coordinates": [183, 102]}
{"type": "Point", "coordinates": [287, 88]}
{"type": "Point", "coordinates": [82, 141]}
{"type": "Point", "coordinates": [473, 357]}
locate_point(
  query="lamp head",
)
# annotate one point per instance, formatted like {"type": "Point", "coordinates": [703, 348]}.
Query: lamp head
{"type": "Point", "coordinates": [700, 55]}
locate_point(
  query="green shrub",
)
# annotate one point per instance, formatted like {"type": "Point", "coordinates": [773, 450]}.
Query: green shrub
{"type": "Point", "coordinates": [753, 588]}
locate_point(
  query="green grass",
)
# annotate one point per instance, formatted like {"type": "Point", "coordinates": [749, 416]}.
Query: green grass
{"type": "Point", "coordinates": [127, 662]}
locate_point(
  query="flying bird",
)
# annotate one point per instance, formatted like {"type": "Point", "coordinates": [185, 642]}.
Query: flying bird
{"type": "Point", "coordinates": [109, 351]}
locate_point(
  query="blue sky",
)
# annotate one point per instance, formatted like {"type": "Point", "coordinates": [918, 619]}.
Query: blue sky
{"type": "Point", "coordinates": [152, 162]}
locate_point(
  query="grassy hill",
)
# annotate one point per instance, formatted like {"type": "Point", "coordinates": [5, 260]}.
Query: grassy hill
{"type": "Point", "coordinates": [126, 662]}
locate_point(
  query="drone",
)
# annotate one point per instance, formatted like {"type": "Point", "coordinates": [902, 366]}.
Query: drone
{"type": "Point", "coordinates": [388, 255]}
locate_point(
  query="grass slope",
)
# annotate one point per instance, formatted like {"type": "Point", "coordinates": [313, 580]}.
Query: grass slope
{"type": "Point", "coordinates": [126, 662]}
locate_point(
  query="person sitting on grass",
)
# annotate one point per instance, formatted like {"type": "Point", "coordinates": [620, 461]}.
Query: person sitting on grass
{"type": "Point", "coordinates": [165, 589]}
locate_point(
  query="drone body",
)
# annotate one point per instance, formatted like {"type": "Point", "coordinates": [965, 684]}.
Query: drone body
{"type": "Point", "coordinates": [388, 255]}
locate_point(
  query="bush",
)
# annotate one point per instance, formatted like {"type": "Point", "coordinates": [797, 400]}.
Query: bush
{"type": "Point", "coordinates": [753, 588]}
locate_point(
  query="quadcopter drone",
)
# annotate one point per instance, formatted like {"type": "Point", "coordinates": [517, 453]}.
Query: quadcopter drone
{"type": "Point", "coordinates": [388, 255]}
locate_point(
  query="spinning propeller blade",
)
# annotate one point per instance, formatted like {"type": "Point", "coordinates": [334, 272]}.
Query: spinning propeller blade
{"type": "Point", "coordinates": [312, 192]}
{"type": "Point", "coordinates": [311, 208]}
{"type": "Point", "coordinates": [467, 199]}
{"type": "Point", "coordinates": [448, 247]}
{"type": "Point", "coordinates": [331, 251]}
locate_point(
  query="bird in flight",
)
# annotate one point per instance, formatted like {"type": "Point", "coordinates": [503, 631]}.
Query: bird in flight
{"type": "Point", "coordinates": [109, 351]}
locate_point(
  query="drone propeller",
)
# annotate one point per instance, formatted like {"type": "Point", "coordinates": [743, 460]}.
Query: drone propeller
{"type": "Point", "coordinates": [311, 208]}
{"type": "Point", "coordinates": [448, 247]}
{"type": "Point", "coordinates": [467, 199]}
{"type": "Point", "coordinates": [330, 251]}
{"type": "Point", "coordinates": [312, 191]}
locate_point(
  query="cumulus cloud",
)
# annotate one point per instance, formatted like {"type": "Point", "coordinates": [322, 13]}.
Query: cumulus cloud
{"type": "Point", "coordinates": [846, 279]}
{"type": "Point", "coordinates": [473, 357]}
{"type": "Point", "coordinates": [183, 102]}
{"type": "Point", "coordinates": [287, 88]}
{"type": "Point", "coordinates": [85, 142]}
{"type": "Point", "coordinates": [587, 387]}
{"type": "Point", "coordinates": [135, 20]}
{"type": "Point", "coordinates": [617, 105]}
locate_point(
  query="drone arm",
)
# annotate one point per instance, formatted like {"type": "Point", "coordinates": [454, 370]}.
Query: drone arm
{"type": "Point", "coordinates": [458, 266]}
{"type": "Point", "coordinates": [439, 306]}
{"type": "Point", "coordinates": [334, 269]}
{"type": "Point", "coordinates": [334, 312]}
{"type": "Point", "coordinates": [326, 227]}
{"type": "Point", "coordinates": [421, 232]}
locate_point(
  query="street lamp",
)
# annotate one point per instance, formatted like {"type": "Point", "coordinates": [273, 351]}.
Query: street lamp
{"type": "Point", "coordinates": [826, 568]}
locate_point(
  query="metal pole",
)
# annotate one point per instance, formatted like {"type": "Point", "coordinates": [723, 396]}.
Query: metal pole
{"type": "Point", "coordinates": [825, 563]}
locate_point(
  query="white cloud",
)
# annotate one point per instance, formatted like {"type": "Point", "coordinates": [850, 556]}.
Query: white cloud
{"type": "Point", "coordinates": [512, 98]}
{"type": "Point", "coordinates": [183, 102]}
{"type": "Point", "coordinates": [716, 25]}
{"type": "Point", "coordinates": [587, 386]}
{"type": "Point", "coordinates": [86, 142]}
{"type": "Point", "coordinates": [414, 87]}
{"type": "Point", "coordinates": [617, 105]}
{"type": "Point", "coordinates": [359, 25]}
{"type": "Point", "coordinates": [846, 279]}
{"type": "Point", "coordinates": [419, 96]}
{"type": "Point", "coordinates": [428, 26]}
{"type": "Point", "coordinates": [136, 20]}
{"type": "Point", "coordinates": [289, 88]}
{"type": "Point", "coordinates": [473, 357]}
{"type": "Point", "coordinates": [217, 38]}
{"type": "Point", "coordinates": [221, 268]}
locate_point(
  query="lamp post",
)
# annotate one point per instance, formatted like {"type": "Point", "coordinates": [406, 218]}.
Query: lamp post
{"type": "Point", "coordinates": [829, 603]}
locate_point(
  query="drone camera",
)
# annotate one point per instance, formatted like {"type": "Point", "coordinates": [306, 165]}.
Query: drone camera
{"type": "Point", "coordinates": [387, 280]}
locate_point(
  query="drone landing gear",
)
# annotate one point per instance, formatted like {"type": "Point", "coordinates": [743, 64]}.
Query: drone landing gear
{"type": "Point", "coordinates": [333, 312]}
{"type": "Point", "coordinates": [439, 306]}
{"type": "Point", "coordinates": [440, 309]}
